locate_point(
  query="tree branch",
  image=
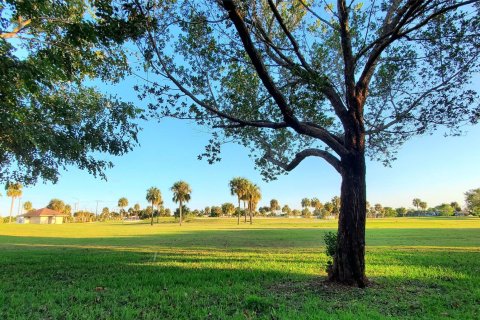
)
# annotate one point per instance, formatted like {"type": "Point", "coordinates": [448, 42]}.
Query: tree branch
{"type": "Point", "coordinates": [184, 90]}
{"type": "Point", "coordinates": [317, 15]}
{"type": "Point", "coordinates": [292, 40]}
{"type": "Point", "coordinates": [349, 65]}
{"type": "Point", "coordinates": [272, 89]}
{"type": "Point", "coordinates": [403, 114]}
{"type": "Point", "coordinates": [299, 157]}
{"type": "Point", "coordinates": [392, 32]}
{"type": "Point", "coordinates": [22, 24]}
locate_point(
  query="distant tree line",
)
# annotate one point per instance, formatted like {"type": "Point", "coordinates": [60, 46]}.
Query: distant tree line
{"type": "Point", "coordinates": [248, 196]}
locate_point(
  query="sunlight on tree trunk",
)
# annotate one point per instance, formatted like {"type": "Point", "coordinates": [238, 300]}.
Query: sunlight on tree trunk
{"type": "Point", "coordinates": [349, 260]}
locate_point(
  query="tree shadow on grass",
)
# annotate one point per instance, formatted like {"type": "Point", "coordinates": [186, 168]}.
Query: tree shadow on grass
{"type": "Point", "coordinates": [224, 274]}
{"type": "Point", "coordinates": [264, 238]}
{"type": "Point", "coordinates": [93, 283]}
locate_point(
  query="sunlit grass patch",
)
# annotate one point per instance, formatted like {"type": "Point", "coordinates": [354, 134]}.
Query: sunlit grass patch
{"type": "Point", "coordinates": [212, 269]}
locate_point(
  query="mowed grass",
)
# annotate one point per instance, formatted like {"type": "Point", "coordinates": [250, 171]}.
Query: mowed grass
{"type": "Point", "coordinates": [424, 268]}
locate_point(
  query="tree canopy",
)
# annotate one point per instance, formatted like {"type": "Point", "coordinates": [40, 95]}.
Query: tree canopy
{"type": "Point", "coordinates": [472, 198]}
{"type": "Point", "coordinates": [275, 75]}
{"type": "Point", "coordinates": [181, 193]}
{"type": "Point", "coordinates": [122, 202]}
{"type": "Point", "coordinates": [297, 79]}
{"type": "Point", "coordinates": [50, 118]}
{"type": "Point", "coordinates": [154, 196]}
{"type": "Point", "coordinates": [57, 205]}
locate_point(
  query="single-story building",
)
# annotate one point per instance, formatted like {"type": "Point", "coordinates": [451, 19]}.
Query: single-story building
{"type": "Point", "coordinates": [43, 216]}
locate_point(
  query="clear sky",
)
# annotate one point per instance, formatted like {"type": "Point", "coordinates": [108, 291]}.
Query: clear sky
{"type": "Point", "coordinates": [433, 168]}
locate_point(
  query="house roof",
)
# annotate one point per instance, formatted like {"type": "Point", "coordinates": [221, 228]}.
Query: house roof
{"type": "Point", "coordinates": [45, 212]}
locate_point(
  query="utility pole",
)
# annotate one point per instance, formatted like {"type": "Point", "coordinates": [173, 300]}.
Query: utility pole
{"type": "Point", "coordinates": [96, 209]}
{"type": "Point", "coordinates": [75, 205]}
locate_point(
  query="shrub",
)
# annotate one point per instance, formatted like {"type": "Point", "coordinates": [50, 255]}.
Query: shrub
{"type": "Point", "coordinates": [330, 239]}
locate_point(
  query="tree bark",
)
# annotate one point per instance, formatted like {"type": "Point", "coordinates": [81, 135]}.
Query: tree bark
{"type": "Point", "coordinates": [349, 261]}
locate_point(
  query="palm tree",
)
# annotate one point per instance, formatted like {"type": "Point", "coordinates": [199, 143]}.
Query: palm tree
{"type": "Point", "coordinates": [423, 205]}
{"type": "Point", "coordinates": [159, 207]}
{"type": "Point", "coordinates": [274, 206]}
{"type": "Point", "coordinates": [154, 196]}
{"type": "Point", "coordinates": [27, 206]}
{"type": "Point", "coordinates": [315, 203]}
{"type": "Point", "coordinates": [253, 194]}
{"type": "Point", "coordinates": [416, 202]}
{"type": "Point", "coordinates": [306, 202]}
{"type": "Point", "coordinates": [57, 205]}
{"type": "Point", "coordinates": [122, 203]}
{"type": "Point", "coordinates": [238, 187]}
{"type": "Point", "coordinates": [14, 190]}
{"type": "Point", "coordinates": [181, 193]}
{"type": "Point", "coordinates": [136, 207]}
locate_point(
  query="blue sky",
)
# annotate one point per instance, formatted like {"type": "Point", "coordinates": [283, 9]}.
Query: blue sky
{"type": "Point", "coordinates": [433, 168]}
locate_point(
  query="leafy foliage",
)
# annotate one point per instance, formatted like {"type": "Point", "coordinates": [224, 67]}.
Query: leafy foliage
{"type": "Point", "coordinates": [57, 205]}
{"type": "Point", "coordinates": [330, 239]}
{"type": "Point", "coordinates": [273, 86]}
{"type": "Point", "coordinates": [445, 209]}
{"type": "Point", "coordinates": [50, 118]}
{"type": "Point", "coordinates": [472, 198]}
{"type": "Point", "coordinates": [228, 208]}
{"type": "Point", "coordinates": [181, 191]}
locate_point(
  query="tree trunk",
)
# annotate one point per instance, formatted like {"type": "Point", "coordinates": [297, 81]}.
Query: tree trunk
{"type": "Point", "coordinates": [250, 215]}
{"type": "Point", "coordinates": [239, 211]}
{"type": "Point", "coordinates": [180, 212]}
{"type": "Point", "coordinates": [349, 261]}
{"type": "Point", "coordinates": [151, 221]}
{"type": "Point", "coordinates": [11, 209]}
{"type": "Point", "coordinates": [245, 211]}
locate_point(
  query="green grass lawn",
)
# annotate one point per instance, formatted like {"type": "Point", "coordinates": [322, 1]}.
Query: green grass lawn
{"type": "Point", "coordinates": [425, 268]}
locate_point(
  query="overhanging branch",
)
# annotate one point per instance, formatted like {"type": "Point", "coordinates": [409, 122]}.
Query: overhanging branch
{"type": "Point", "coordinates": [278, 97]}
{"type": "Point", "coordinates": [299, 157]}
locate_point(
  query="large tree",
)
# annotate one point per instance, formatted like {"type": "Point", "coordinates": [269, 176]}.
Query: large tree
{"type": "Point", "coordinates": [181, 193]}
{"type": "Point", "coordinates": [297, 79]}
{"type": "Point", "coordinates": [50, 118]}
